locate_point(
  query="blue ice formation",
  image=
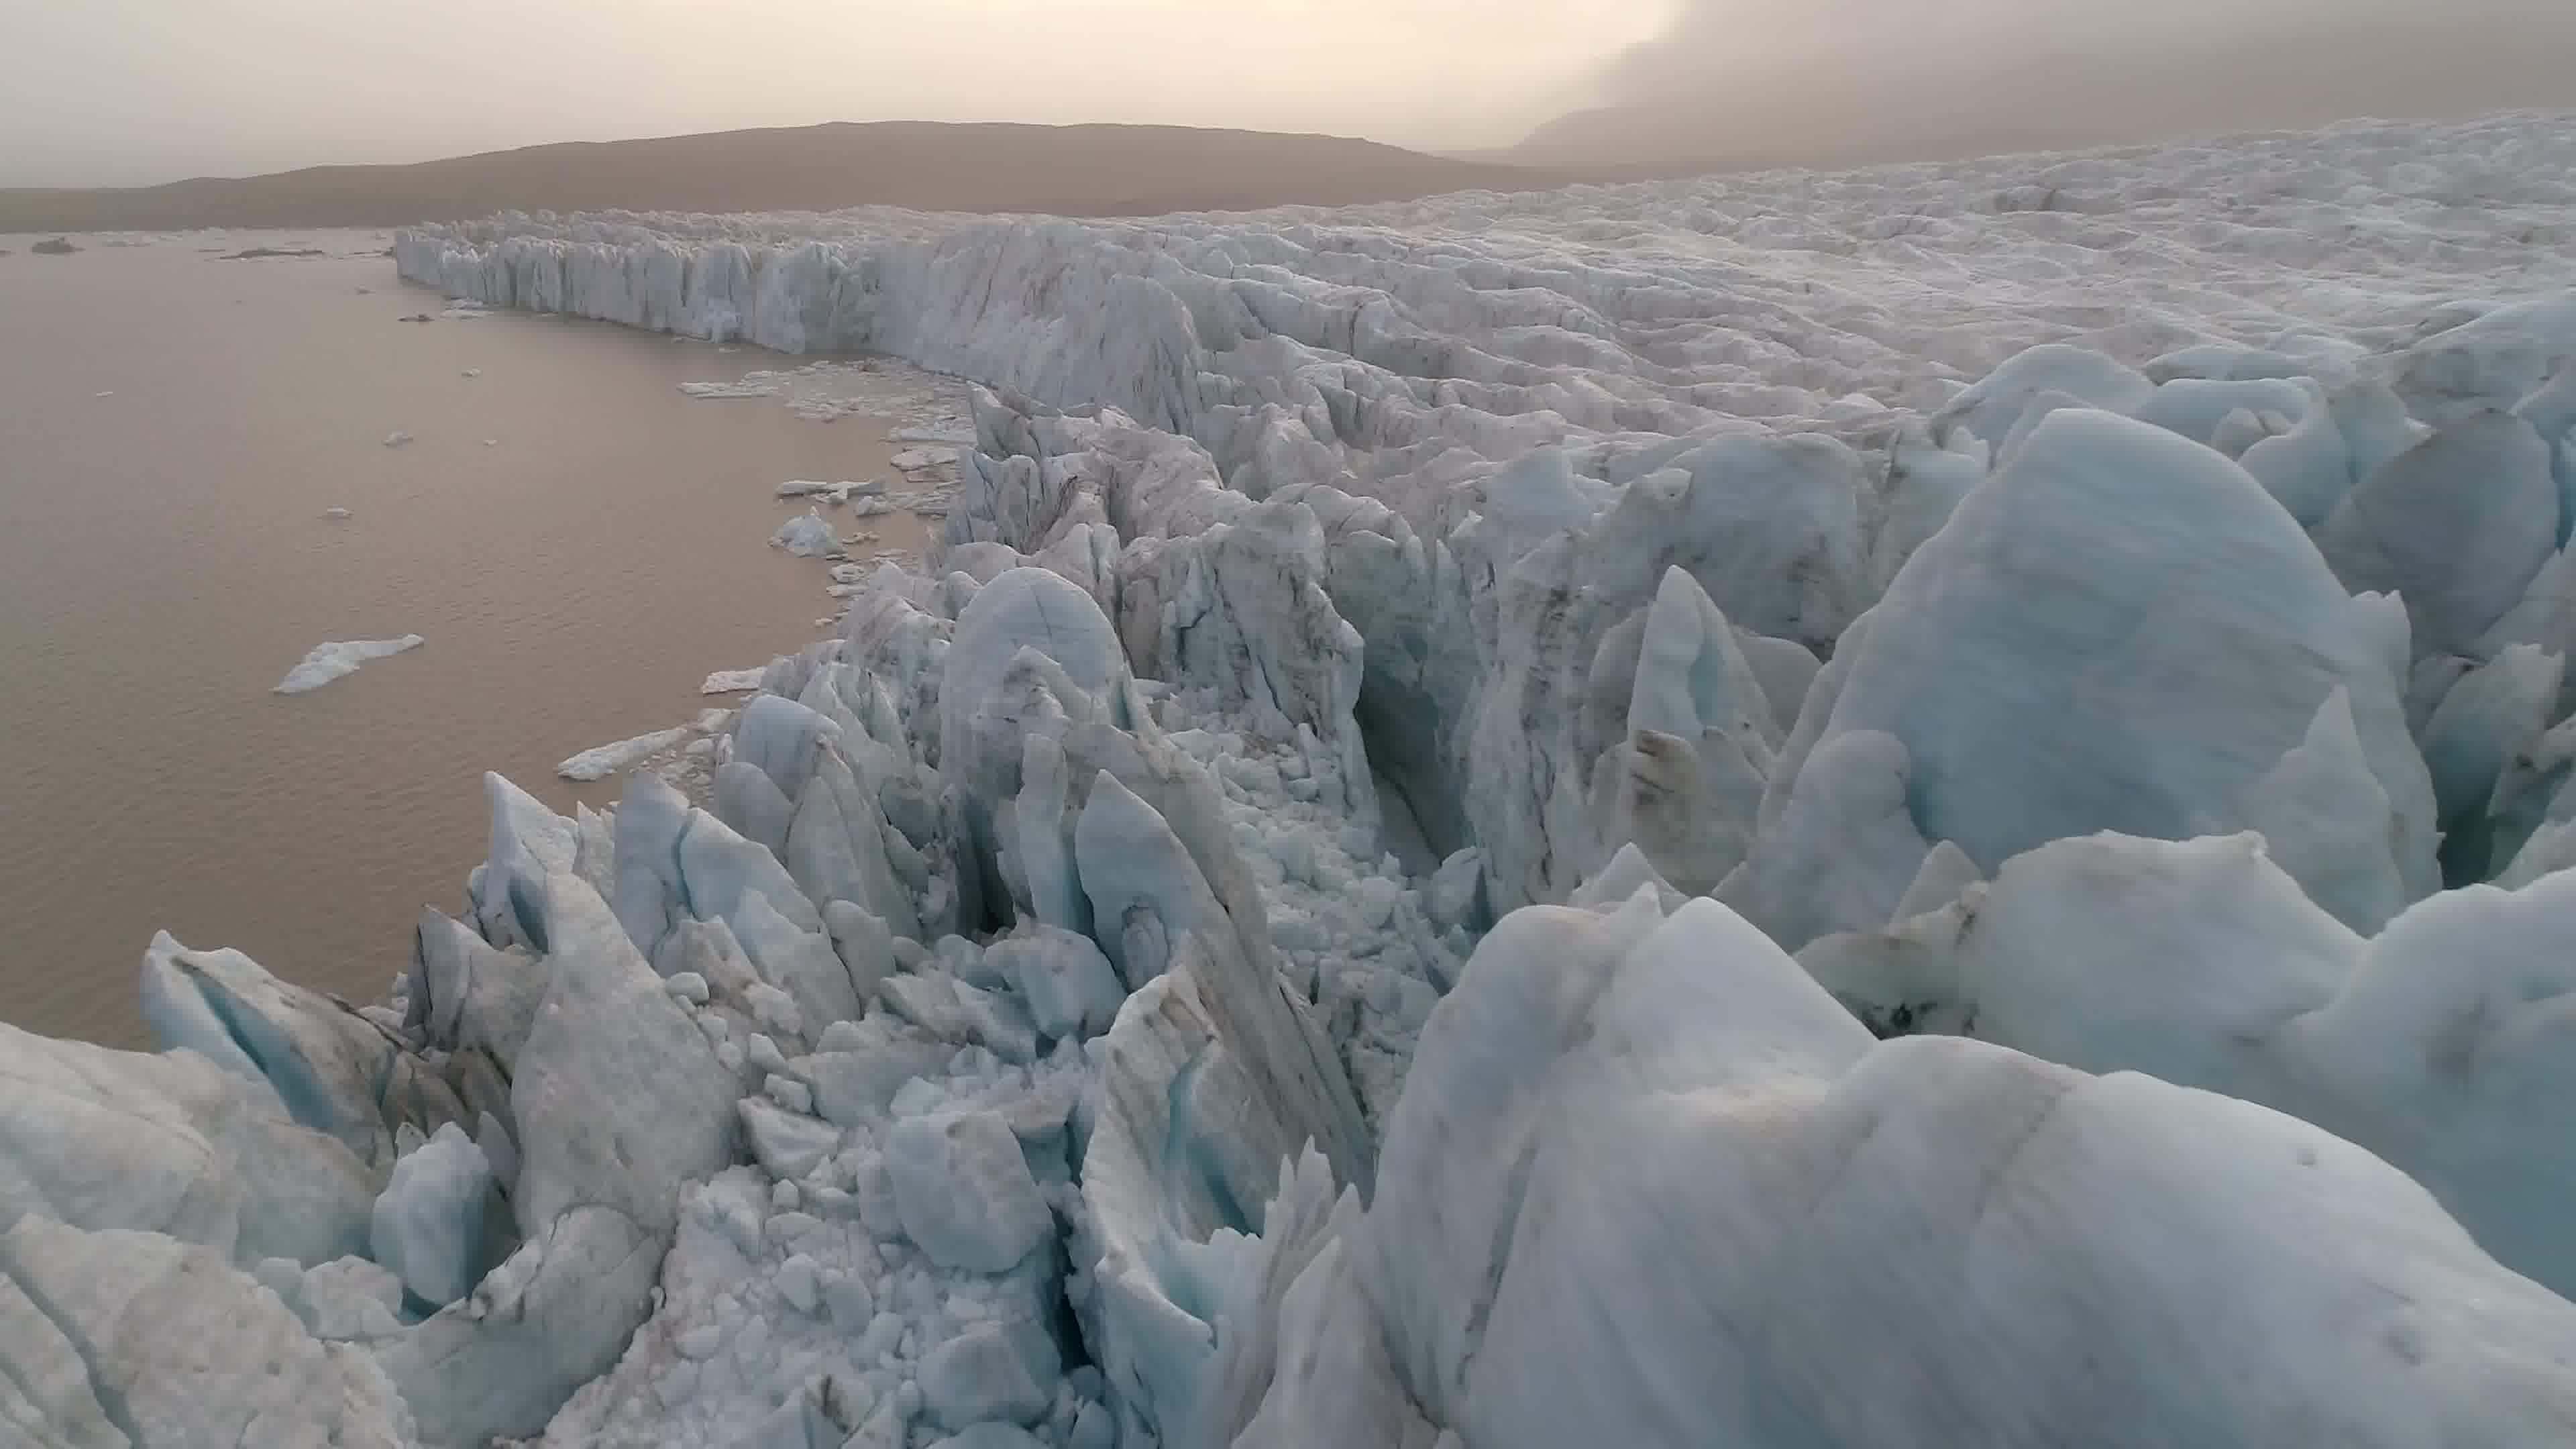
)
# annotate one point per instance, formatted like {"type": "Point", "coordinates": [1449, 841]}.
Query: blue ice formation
{"type": "Point", "coordinates": [1504, 821]}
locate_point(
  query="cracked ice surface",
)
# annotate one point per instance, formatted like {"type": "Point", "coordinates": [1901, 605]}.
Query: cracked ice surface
{"type": "Point", "coordinates": [1990, 739]}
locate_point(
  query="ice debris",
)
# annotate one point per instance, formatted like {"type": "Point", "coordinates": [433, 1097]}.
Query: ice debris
{"type": "Point", "coordinates": [328, 662]}
{"type": "Point", "coordinates": [806, 536]}
{"type": "Point", "coordinates": [605, 760]}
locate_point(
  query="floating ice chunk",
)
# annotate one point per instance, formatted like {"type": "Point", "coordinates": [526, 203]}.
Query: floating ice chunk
{"type": "Point", "coordinates": [336, 515]}
{"type": "Point", "coordinates": [913, 460]}
{"type": "Point", "coordinates": [841, 492]}
{"type": "Point", "coordinates": [328, 662]}
{"type": "Point", "coordinates": [733, 681]}
{"type": "Point", "coordinates": [806, 536]}
{"type": "Point", "coordinates": [964, 1191]}
{"type": "Point", "coordinates": [471, 372]}
{"type": "Point", "coordinates": [431, 1222]}
{"type": "Point", "coordinates": [605, 760]}
{"type": "Point", "coordinates": [397, 439]}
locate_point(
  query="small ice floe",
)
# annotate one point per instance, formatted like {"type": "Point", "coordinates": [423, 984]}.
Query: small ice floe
{"type": "Point", "coordinates": [913, 460]}
{"type": "Point", "coordinates": [806, 536]}
{"type": "Point", "coordinates": [608, 760]}
{"type": "Point", "coordinates": [832, 493]}
{"type": "Point", "coordinates": [935, 437]}
{"type": "Point", "coordinates": [329, 661]}
{"type": "Point", "coordinates": [108, 392]}
{"type": "Point", "coordinates": [471, 372]}
{"type": "Point", "coordinates": [733, 681]}
{"type": "Point", "coordinates": [722, 389]}
{"type": "Point", "coordinates": [396, 440]}
{"type": "Point", "coordinates": [491, 442]}
{"type": "Point", "coordinates": [336, 515]}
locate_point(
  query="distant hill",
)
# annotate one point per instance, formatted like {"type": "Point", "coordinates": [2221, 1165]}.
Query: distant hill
{"type": "Point", "coordinates": [1065, 170]}
{"type": "Point", "coordinates": [1862, 109]}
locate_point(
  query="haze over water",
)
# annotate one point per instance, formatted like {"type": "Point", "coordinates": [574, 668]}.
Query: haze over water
{"type": "Point", "coordinates": [165, 558]}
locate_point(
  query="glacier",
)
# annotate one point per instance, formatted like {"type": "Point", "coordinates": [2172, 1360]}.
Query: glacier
{"type": "Point", "coordinates": [1930, 806]}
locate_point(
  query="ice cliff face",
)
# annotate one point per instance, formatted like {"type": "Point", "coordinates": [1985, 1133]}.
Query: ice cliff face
{"type": "Point", "coordinates": [1842, 811]}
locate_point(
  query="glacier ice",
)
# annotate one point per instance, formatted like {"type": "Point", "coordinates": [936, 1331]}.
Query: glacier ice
{"type": "Point", "coordinates": [328, 662]}
{"type": "Point", "coordinates": [1278, 931]}
{"type": "Point", "coordinates": [2172, 580]}
{"type": "Point", "coordinates": [605, 760]}
{"type": "Point", "coordinates": [807, 535]}
{"type": "Point", "coordinates": [2433, 1043]}
{"type": "Point", "coordinates": [431, 1224]}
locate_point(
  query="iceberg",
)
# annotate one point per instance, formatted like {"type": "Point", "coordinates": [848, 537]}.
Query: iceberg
{"type": "Point", "coordinates": [807, 536]}
{"type": "Point", "coordinates": [328, 662]}
{"type": "Point", "coordinates": [605, 760]}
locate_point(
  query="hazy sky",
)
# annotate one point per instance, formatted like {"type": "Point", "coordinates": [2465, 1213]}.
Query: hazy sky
{"type": "Point", "coordinates": [126, 91]}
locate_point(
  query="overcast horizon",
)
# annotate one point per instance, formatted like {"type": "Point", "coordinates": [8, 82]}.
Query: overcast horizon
{"type": "Point", "coordinates": [136, 92]}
